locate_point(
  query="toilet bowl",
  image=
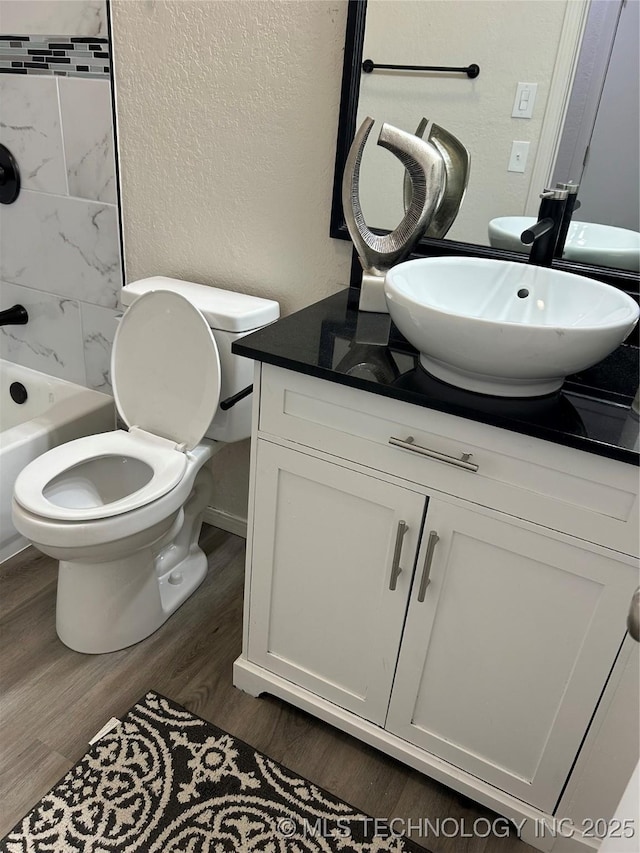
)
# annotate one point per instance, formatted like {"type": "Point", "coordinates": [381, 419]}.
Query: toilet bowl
{"type": "Point", "coordinates": [122, 511]}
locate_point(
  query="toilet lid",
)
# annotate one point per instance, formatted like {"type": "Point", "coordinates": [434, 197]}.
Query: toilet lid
{"type": "Point", "coordinates": [165, 368]}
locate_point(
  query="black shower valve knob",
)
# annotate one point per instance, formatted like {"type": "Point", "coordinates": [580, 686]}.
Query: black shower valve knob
{"type": "Point", "coordinates": [9, 176]}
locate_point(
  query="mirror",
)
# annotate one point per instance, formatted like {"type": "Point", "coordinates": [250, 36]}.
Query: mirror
{"type": "Point", "coordinates": [563, 47]}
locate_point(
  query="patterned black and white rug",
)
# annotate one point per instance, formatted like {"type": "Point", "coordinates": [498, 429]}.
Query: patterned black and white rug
{"type": "Point", "coordinates": [165, 781]}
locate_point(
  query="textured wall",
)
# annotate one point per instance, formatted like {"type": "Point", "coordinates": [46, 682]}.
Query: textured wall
{"type": "Point", "coordinates": [227, 122]}
{"type": "Point", "coordinates": [227, 115]}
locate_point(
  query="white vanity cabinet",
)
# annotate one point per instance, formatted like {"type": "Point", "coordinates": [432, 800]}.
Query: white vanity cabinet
{"type": "Point", "coordinates": [456, 597]}
{"type": "Point", "coordinates": [503, 661]}
{"type": "Point", "coordinates": [333, 555]}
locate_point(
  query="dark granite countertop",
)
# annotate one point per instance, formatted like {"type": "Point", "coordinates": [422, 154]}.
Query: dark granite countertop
{"type": "Point", "coordinates": [333, 341]}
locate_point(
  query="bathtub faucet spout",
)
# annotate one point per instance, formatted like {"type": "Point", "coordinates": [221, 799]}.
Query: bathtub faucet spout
{"type": "Point", "coordinates": [16, 316]}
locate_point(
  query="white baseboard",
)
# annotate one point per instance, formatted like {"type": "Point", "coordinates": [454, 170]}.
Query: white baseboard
{"type": "Point", "coordinates": [226, 521]}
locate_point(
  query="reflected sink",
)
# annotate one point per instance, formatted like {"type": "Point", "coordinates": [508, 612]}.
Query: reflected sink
{"type": "Point", "coordinates": [587, 242]}
{"type": "Point", "coordinates": [504, 328]}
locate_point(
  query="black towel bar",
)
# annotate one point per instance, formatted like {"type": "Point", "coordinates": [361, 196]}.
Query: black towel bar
{"type": "Point", "coordinates": [470, 70]}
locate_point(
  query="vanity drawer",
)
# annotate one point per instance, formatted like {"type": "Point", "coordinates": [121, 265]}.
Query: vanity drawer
{"type": "Point", "coordinates": [562, 488]}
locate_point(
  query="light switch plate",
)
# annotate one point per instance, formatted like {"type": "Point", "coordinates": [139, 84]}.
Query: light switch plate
{"type": "Point", "coordinates": [524, 100]}
{"type": "Point", "coordinates": [518, 158]}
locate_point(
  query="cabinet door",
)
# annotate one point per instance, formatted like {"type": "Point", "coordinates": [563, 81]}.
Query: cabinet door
{"type": "Point", "coordinates": [504, 660]}
{"type": "Point", "coordinates": [321, 612]}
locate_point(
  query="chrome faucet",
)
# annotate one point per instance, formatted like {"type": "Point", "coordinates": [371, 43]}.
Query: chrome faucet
{"type": "Point", "coordinates": [543, 235]}
{"type": "Point", "coordinates": [16, 316]}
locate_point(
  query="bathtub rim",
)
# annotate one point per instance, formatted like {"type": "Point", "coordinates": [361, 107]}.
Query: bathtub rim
{"type": "Point", "coordinates": [77, 401]}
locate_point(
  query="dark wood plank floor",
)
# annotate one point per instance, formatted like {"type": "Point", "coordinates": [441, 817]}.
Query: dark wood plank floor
{"type": "Point", "coordinates": [53, 700]}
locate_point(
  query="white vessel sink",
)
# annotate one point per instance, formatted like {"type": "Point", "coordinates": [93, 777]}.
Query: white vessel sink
{"type": "Point", "coordinates": [505, 328]}
{"type": "Point", "coordinates": [586, 242]}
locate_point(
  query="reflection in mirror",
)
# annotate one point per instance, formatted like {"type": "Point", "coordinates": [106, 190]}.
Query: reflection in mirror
{"type": "Point", "coordinates": [572, 64]}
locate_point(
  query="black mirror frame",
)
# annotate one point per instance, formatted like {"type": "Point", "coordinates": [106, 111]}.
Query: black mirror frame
{"type": "Point", "coordinates": [626, 280]}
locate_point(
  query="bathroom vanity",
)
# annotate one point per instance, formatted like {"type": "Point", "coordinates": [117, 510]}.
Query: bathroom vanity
{"type": "Point", "coordinates": [446, 575]}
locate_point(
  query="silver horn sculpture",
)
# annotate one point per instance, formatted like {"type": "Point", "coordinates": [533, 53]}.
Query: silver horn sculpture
{"type": "Point", "coordinates": [426, 170]}
{"type": "Point", "coordinates": [456, 163]}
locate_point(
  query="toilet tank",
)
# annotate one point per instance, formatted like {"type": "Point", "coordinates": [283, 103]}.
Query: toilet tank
{"type": "Point", "coordinates": [231, 316]}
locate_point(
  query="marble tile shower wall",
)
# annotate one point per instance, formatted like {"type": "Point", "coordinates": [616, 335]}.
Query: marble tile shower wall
{"type": "Point", "coordinates": [59, 241]}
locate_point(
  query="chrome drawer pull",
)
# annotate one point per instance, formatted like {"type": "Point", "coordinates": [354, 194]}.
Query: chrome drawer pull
{"type": "Point", "coordinates": [426, 571]}
{"type": "Point", "coordinates": [395, 566]}
{"type": "Point", "coordinates": [409, 444]}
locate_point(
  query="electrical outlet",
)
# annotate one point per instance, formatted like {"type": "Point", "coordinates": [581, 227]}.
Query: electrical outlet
{"type": "Point", "coordinates": [518, 159]}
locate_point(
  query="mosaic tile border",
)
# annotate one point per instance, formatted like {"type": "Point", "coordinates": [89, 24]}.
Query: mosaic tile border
{"type": "Point", "coordinates": [62, 56]}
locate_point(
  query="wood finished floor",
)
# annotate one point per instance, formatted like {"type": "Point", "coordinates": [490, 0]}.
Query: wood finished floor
{"type": "Point", "coordinates": [53, 700]}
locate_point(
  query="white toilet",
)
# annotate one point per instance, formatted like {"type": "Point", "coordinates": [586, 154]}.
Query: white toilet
{"type": "Point", "coordinates": [122, 510]}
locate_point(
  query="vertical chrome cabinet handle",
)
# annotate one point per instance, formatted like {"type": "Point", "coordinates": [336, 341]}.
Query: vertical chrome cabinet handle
{"type": "Point", "coordinates": [426, 571]}
{"type": "Point", "coordinates": [395, 565]}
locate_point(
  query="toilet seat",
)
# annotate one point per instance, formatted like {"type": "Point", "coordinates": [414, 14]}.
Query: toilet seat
{"type": "Point", "coordinates": [166, 465]}
{"type": "Point", "coordinates": [165, 368]}
{"type": "Point", "coordinates": [166, 381]}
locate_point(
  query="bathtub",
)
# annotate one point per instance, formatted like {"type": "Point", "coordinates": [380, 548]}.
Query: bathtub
{"type": "Point", "coordinates": [54, 411]}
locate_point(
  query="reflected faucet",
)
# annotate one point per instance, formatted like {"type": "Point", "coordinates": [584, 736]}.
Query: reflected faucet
{"type": "Point", "coordinates": [16, 316]}
{"type": "Point", "coordinates": [571, 205]}
{"type": "Point", "coordinates": [543, 235]}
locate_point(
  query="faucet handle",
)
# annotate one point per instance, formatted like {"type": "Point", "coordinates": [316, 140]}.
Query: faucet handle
{"type": "Point", "coordinates": [557, 194]}
{"type": "Point", "coordinates": [569, 186]}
